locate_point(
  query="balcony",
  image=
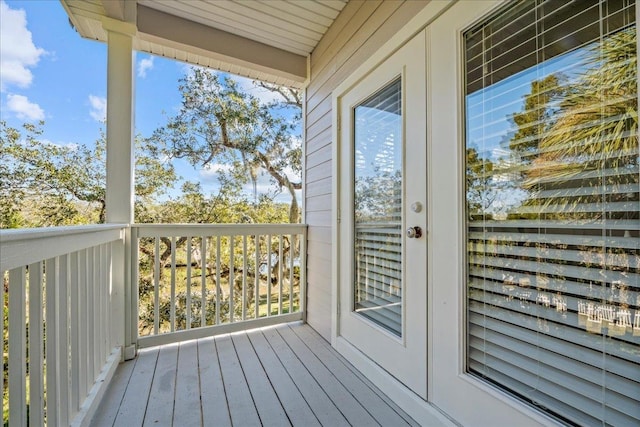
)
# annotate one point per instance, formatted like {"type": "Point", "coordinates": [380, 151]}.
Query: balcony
{"type": "Point", "coordinates": [74, 314]}
{"type": "Point", "coordinates": [283, 375]}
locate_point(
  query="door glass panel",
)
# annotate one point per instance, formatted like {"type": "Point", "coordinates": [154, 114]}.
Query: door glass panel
{"type": "Point", "coordinates": [378, 149]}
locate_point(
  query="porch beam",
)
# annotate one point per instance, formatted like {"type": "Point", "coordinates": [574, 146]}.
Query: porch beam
{"type": "Point", "coordinates": [120, 168]}
{"type": "Point", "coordinates": [170, 30]}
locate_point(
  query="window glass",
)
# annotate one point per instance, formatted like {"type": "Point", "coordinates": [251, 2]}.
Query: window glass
{"type": "Point", "coordinates": [552, 190]}
{"type": "Point", "coordinates": [378, 208]}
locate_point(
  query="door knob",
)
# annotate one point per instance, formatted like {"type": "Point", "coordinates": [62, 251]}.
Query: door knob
{"type": "Point", "coordinates": [414, 232]}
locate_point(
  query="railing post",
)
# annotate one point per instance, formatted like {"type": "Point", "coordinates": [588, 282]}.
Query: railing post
{"type": "Point", "coordinates": [120, 171]}
{"type": "Point", "coordinates": [131, 294]}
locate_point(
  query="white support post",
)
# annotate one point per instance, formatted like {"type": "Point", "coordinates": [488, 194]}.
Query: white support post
{"type": "Point", "coordinates": [120, 171]}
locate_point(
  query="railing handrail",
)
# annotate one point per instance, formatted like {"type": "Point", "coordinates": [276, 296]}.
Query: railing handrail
{"type": "Point", "coordinates": [13, 234]}
{"type": "Point", "coordinates": [25, 246]}
{"type": "Point", "coordinates": [179, 230]}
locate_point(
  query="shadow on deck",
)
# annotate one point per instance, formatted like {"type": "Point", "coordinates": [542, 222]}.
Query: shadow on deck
{"type": "Point", "coordinates": [277, 376]}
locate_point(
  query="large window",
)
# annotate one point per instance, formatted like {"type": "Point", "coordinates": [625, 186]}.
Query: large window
{"type": "Point", "coordinates": [552, 175]}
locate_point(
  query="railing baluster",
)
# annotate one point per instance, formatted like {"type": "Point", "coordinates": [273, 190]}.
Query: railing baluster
{"type": "Point", "coordinates": [257, 280]}
{"type": "Point", "coordinates": [188, 284]}
{"type": "Point", "coordinates": [172, 309]}
{"type": "Point", "coordinates": [52, 341]}
{"type": "Point", "coordinates": [218, 280]}
{"type": "Point", "coordinates": [232, 239]}
{"type": "Point", "coordinates": [35, 343]}
{"type": "Point", "coordinates": [95, 302]}
{"type": "Point", "coordinates": [83, 335]}
{"type": "Point", "coordinates": [17, 348]}
{"type": "Point", "coordinates": [268, 274]}
{"type": "Point", "coordinates": [74, 292]}
{"type": "Point", "coordinates": [103, 301]}
{"type": "Point", "coordinates": [280, 272]}
{"type": "Point", "coordinates": [203, 281]}
{"type": "Point", "coordinates": [98, 287]}
{"type": "Point", "coordinates": [63, 339]}
{"type": "Point", "coordinates": [292, 250]}
{"type": "Point", "coordinates": [156, 286]}
{"type": "Point", "coordinates": [244, 277]}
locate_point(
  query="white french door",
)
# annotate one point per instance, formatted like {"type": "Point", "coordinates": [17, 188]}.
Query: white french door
{"type": "Point", "coordinates": [383, 216]}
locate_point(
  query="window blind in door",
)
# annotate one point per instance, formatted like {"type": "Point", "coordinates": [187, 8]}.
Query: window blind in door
{"type": "Point", "coordinates": [553, 207]}
{"type": "Point", "coordinates": [378, 207]}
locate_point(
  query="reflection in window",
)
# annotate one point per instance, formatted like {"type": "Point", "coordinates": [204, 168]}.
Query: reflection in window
{"type": "Point", "coordinates": [553, 204]}
{"type": "Point", "coordinates": [378, 208]}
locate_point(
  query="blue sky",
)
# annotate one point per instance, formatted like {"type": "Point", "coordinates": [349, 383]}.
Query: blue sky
{"type": "Point", "coordinates": [48, 72]}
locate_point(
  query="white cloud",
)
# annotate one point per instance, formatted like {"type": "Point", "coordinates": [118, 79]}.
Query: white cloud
{"type": "Point", "coordinates": [98, 107]}
{"type": "Point", "coordinates": [265, 96]}
{"type": "Point", "coordinates": [23, 108]}
{"type": "Point", "coordinates": [17, 51]}
{"type": "Point", "coordinates": [212, 170]}
{"type": "Point", "coordinates": [72, 146]}
{"type": "Point", "coordinates": [145, 65]}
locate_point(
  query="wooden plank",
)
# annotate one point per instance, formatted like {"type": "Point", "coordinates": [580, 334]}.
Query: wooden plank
{"type": "Point", "coordinates": [316, 173]}
{"type": "Point", "coordinates": [83, 338]}
{"type": "Point", "coordinates": [62, 322]}
{"type": "Point", "coordinates": [241, 406]}
{"type": "Point", "coordinates": [17, 348]}
{"type": "Point", "coordinates": [266, 401]}
{"type": "Point", "coordinates": [106, 414]}
{"type": "Point", "coordinates": [187, 410]}
{"type": "Point", "coordinates": [320, 218]}
{"type": "Point", "coordinates": [162, 392]}
{"type": "Point", "coordinates": [297, 409]}
{"type": "Point", "coordinates": [316, 142]}
{"type": "Point", "coordinates": [74, 315]}
{"type": "Point", "coordinates": [134, 402]}
{"type": "Point", "coordinates": [52, 341]}
{"type": "Point", "coordinates": [352, 410]}
{"type": "Point", "coordinates": [36, 350]}
{"type": "Point", "coordinates": [377, 406]}
{"type": "Point", "coordinates": [322, 406]}
{"type": "Point", "coordinates": [215, 411]}
{"type": "Point", "coordinates": [318, 157]}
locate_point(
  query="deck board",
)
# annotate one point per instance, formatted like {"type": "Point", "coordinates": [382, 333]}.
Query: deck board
{"type": "Point", "coordinates": [215, 411]}
{"type": "Point", "coordinates": [241, 405]}
{"type": "Point", "coordinates": [295, 405]}
{"type": "Point", "coordinates": [130, 411]}
{"type": "Point", "coordinates": [378, 407]}
{"type": "Point", "coordinates": [187, 409]}
{"type": "Point", "coordinates": [267, 403]}
{"type": "Point", "coordinates": [160, 404]}
{"type": "Point", "coordinates": [276, 376]}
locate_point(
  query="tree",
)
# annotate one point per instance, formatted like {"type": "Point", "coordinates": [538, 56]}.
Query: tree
{"type": "Point", "coordinates": [44, 184]}
{"type": "Point", "coordinates": [592, 141]}
{"type": "Point", "coordinates": [220, 123]}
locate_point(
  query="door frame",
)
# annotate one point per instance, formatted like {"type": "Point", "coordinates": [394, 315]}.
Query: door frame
{"type": "Point", "coordinates": [418, 408]}
{"type": "Point", "coordinates": [448, 359]}
{"type": "Point", "coordinates": [402, 356]}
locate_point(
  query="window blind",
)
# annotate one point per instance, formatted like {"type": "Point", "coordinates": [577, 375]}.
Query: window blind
{"type": "Point", "coordinates": [378, 207]}
{"type": "Point", "coordinates": [553, 207]}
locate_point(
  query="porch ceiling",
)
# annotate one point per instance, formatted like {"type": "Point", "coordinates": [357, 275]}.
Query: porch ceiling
{"type": "Point", "coordinates": [263, 39]}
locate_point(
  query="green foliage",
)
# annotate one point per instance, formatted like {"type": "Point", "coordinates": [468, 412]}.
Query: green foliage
{"type": "Point", "coordinates": [43, 184]}
{"type": "Point", "coordinates": [218, 123]}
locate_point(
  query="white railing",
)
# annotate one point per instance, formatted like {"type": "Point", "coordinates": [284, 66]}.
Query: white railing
{"type": "Point", "coordinates": [196, 280]}
{"type": "Point", "coordinates": [57, 302]}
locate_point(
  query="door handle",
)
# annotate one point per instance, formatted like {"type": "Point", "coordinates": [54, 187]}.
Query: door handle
{"type": "Point", "coordinates": [414, 232]}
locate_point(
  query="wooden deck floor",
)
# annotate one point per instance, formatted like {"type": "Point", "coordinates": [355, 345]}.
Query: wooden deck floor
{"type": "Point", "coordinates": [278, 376]}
